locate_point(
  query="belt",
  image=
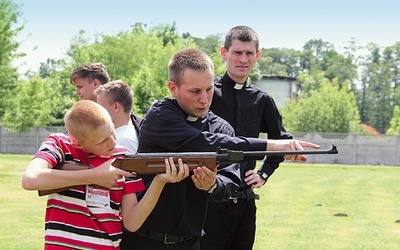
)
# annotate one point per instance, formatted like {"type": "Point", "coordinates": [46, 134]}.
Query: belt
{"type": "Point", "coordinates": [165, 238]}
{"type": "Point", "coordinates": [245, 194]}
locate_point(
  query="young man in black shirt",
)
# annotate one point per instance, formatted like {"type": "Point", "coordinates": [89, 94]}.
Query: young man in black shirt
{"type": "Point", "coordinates": [183, 124]}
{"type": "Point", "coordinates": [250, 111]}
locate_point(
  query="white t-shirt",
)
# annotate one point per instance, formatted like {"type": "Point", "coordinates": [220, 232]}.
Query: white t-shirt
{"type": "Point", "coordinates": [127, 137]}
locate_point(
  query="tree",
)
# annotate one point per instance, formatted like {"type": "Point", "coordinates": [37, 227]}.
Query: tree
{"type": "Point", "coordinates": [394, 128]}
{"type": "Point", "coordinates": [31, 106]}
{"type": "Point", "coordinates": [139, 57]}
{"type": "Point", "coordinates": [322, 56]}
{"type": "Point", "coordinates": [279, 61]}
{"type": "Point", "coordinates": [9, 14]}
{"type": "Point", "coordinates": [325, 109]}
{"type": "Point", "coordinates": [210, 44]}
{"type": "Point", "coordinates": [376, 99]}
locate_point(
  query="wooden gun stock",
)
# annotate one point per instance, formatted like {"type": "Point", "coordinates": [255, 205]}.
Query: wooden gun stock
{"type": "Point", "coordinates": [140, 166]}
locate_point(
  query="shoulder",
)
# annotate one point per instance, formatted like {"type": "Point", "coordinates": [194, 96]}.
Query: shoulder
{"type": "Point", "coordinates": [56, 148]}
{"type": "Point", "coordinates": [219, 124]}
{"type": "Point", "coordinates": [162, 108]}
{"type": "Point", "coordinates": [260, 93]}
{"type": "Point", "coordinates": [60, 140]}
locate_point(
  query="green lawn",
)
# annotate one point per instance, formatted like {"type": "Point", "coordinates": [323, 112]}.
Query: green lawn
{"type": "Point", "coordinates": [298, 209]}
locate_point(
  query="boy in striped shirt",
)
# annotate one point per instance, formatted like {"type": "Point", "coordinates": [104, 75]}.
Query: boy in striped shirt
{"type": "Point", "coordinates": [89, 216]}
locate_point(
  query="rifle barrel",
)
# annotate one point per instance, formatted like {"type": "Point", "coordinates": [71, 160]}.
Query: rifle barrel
{"type": "Point", "coordinates": [293, 152]}
{"type": "Point", "coordinates": [222, 152]}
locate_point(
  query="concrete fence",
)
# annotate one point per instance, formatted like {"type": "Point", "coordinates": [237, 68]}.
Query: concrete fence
{"type": "Point", "coordinates": [353, 149]}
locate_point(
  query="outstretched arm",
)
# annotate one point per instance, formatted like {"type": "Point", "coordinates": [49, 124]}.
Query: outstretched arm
{"type": "Point", "coordinates": [290, 145]}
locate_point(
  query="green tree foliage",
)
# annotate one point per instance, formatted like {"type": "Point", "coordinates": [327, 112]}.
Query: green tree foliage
{"type": "Point", "coordinates": [322, 56]}
{"type": "Point", "coordinates": [279, 61]}
{"type": "Point", "coordinates": [376, 99]}
{"type": "Point", "coordinates": [9, 14]}
{"type": "Point", "coordinates": [139, 57]}
{"type": "Point", "coordinates": [28, 109]}
{"type": "Point", "coordinates": [326, 108]}
{"type": "Point", "coordinates": [394, 128]}
{"type": "Point", "coordinates": [210, 44]}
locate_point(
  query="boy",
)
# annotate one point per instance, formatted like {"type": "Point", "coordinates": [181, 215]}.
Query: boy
{"type": "Point", "coordinates": [87, 216]}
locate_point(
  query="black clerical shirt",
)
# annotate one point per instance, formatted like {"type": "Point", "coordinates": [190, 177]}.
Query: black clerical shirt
{"type": "Point", "coordinates": [250, 111]}
{"type": "Point", "coordinates": [181, 209]}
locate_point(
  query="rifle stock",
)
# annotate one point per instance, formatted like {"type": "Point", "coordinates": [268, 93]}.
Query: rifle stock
{"type": "Point", "coordinates": [154, 163]}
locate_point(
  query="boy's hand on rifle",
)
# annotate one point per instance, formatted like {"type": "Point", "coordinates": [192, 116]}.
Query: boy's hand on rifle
{"type": "Point", "coordinates": [172, 173]}
{"type": "Point", "coordinates": [204, 178]}
{"type": "Point", "coordinates": [291, 145]}
{"type": "Point", "coordinates": [106, 175]}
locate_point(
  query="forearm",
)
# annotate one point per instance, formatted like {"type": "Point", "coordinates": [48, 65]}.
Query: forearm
{"type": "Point", "coordinates": [39, 175]}
{"type": "Point", "coordinates": [135, 213]}
{"type": "Point", "coordinates": [270, 164]}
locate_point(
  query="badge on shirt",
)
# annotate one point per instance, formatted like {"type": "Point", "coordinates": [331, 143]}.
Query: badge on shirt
{"type": "Point", "coordinates": [96, 197]}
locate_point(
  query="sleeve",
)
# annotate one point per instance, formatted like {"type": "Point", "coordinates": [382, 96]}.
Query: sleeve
{"type": "Point", "coordinates": [51, 150]}
{"type": "Point", "coordinates": [133, 186]}
{"type": "Point", "coordinates": [168, 130]}
{"type": "Point", "coordinates": [228, 181]}
{"type": "Point", "coordinates": [273, 125]}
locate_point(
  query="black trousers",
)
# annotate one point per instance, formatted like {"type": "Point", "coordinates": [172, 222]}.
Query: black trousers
{"type": "Point", "coordinates": [134, 242]}
{"type": "Point", "coordinates": [230, 225]}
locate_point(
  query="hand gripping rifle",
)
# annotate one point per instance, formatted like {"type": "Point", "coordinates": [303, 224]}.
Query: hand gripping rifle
{"type": "Point", "coordinates": [154, 163]}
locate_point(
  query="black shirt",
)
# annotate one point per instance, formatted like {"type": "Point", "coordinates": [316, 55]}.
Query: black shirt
{"type": "Point", "coordinates": [181, 209]}
{"type": "Point", "coordinates": [250, 111]}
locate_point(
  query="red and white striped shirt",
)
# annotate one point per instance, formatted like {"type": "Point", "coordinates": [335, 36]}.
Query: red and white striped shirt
{"type": "Point", "coordinates": [69, 221]}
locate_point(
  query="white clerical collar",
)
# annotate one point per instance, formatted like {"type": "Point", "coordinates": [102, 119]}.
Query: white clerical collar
{"type": "Point", "coordinates": [238, 86]}
{"type": "Point", "coordinates": [192, 118]}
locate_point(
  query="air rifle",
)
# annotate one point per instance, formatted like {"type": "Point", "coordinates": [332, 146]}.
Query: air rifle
{"type": "Point", "coordinates": [154, 163]}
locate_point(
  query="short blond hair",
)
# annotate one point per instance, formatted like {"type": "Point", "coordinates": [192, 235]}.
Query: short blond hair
{"type": "Point", "coordinates": [84, 118]}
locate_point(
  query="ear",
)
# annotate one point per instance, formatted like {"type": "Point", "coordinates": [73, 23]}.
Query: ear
{"type": "Point", "coordinates": [173, 88]}
{"type": "Point", "coordinates": [117, 106]}
{"type": "Point", "coordinates": [222, 51]}
{"type": "Point", "coordinates": [96, 82]}
{"type": "Point", "coordinates": [258, 54]}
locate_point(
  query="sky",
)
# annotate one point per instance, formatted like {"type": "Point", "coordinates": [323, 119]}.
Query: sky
{"type": "Point", "coordinates": [49, 25]}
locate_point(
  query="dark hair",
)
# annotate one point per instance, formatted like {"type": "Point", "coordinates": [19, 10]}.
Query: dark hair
{"type": "Point", "coordinates": [241, 33]}
{"type": "Point", "coordinates": [92, 71]}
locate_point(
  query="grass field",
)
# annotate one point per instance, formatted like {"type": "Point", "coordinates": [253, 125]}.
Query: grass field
{"type": "Point", "coordinates": [303, 206]}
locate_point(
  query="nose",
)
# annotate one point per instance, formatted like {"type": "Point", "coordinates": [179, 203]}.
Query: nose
{"type": "Point", "coordinates": [203, 98]}
{"type": "Point", "coordinates": [243, 58]}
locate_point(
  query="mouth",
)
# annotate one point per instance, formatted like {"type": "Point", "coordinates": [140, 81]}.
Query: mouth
{"type": "Point", "coordinates": [242, 67]}
{"type": "Point", "coordinates": [202, 109]}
